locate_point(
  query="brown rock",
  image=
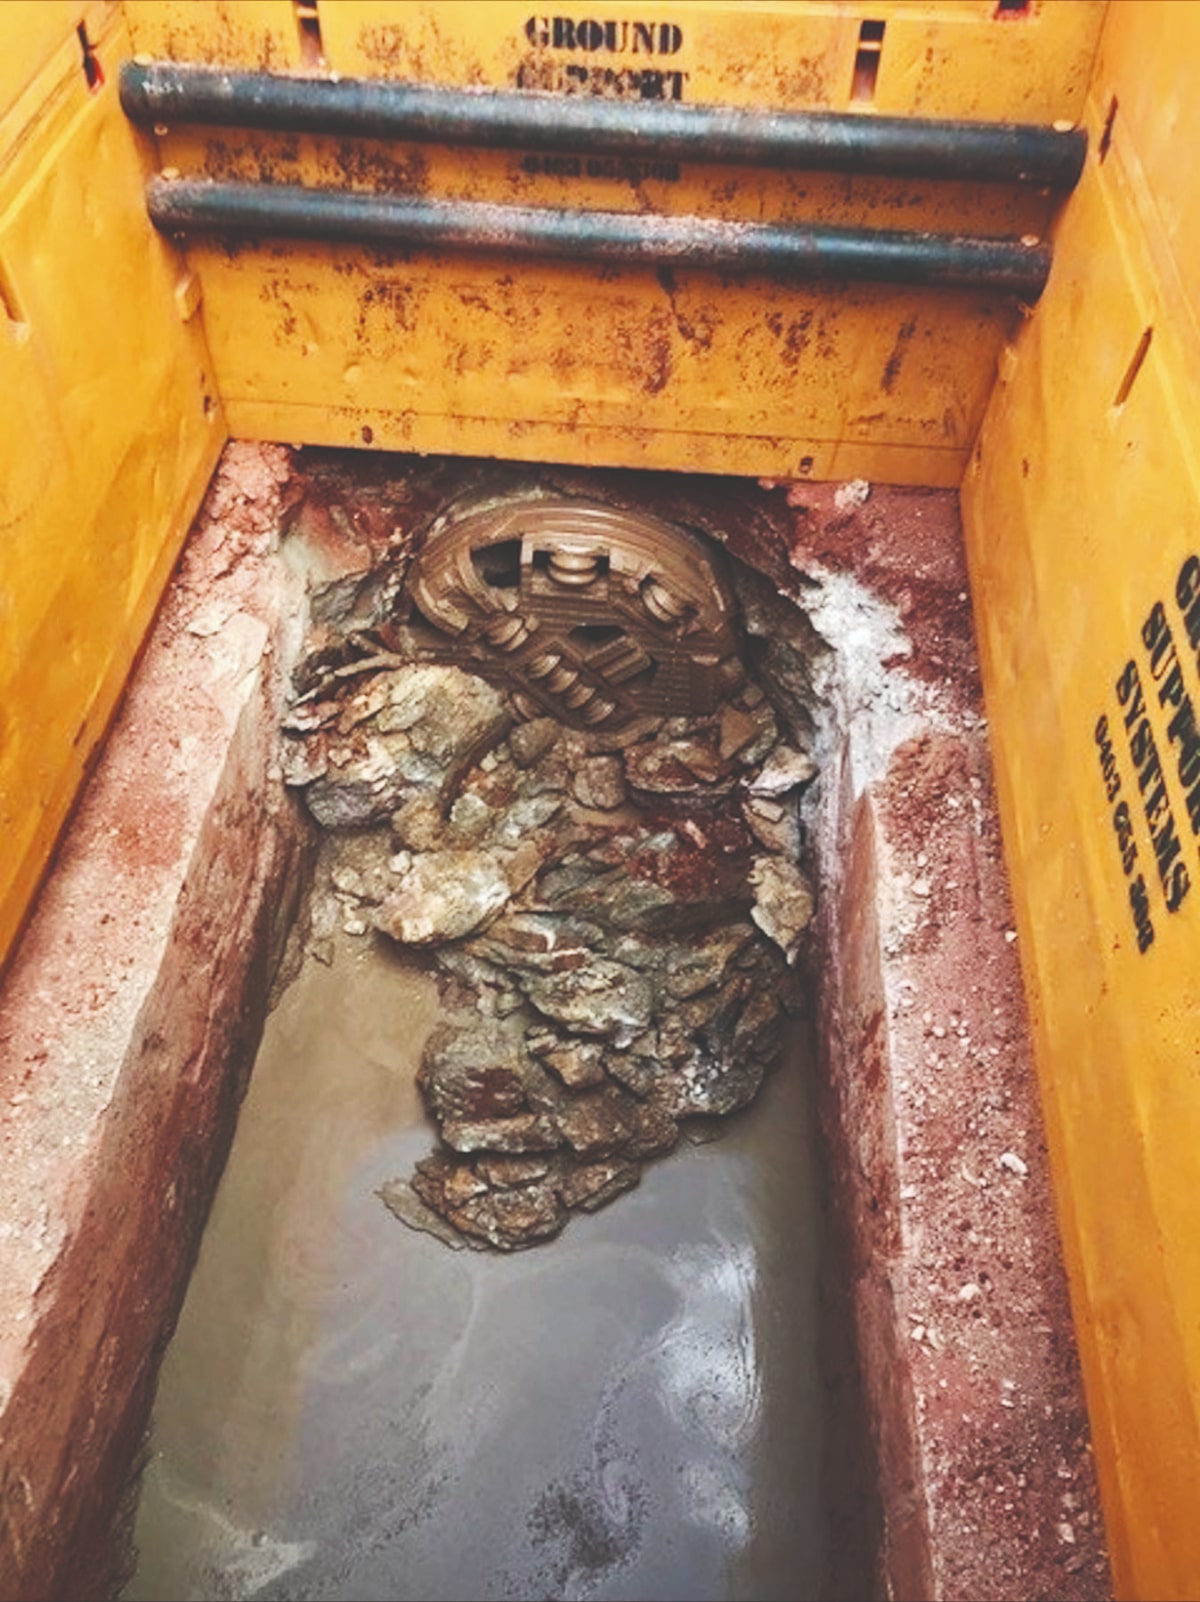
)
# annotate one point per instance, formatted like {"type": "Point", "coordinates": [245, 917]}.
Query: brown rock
{"type": "Point", "coordinates": [504, 1172]}
{"type": "Point", "coordinates": [525, 1132]}
{"type": "Point", "coordinates": [443, 896]}
{"type": "Point", "coordinates": [510, 1219]}
{"type": "Point", "coordinates": [598, 1121]}
{"type": "Point", "coordinates": [443, 1182]}
{"type": "Point", "coordinates": [418, 825]}
{"type": "Point", "coordinates": [758, 1026]}
{"type": "Point", "coordinates": [783, 902]}
{"type": "Point", "coordinates": [590, 1185]}
{"type": "Point", "coordinates": [654, 1131]}
{"type": "Point", "coordinates": [600, 782]}
{"type": "Point", "coordinates": [737, 730]}
{"type": "Point", "coordinates": [773, 824]}
{"type": "Point", "coordinates": [529, 742]}
{"type": "Point", "coordinates": [579, 1065]}
{"type": "Point", "coordinates": [472, 1074]}
{"type": "Point", "coordinates": [677, 767]}
{"type": "Point", "coordinates": [520, 866]}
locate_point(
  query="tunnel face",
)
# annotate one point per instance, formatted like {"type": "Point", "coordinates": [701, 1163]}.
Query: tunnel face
{"type": "Point", "coordinates": [590, 613]}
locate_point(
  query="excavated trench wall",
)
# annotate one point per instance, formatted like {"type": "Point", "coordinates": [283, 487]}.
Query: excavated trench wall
{"type": "Point", "coordinates": [131, 1010]}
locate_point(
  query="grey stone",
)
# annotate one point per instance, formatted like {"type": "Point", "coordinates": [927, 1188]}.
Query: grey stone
{"type": "Point", "coordinates": [443, 710]}
{"type": "Point", "coordinates": [612, 898]}
{"type": "Point", "coordinates": [469, 1074]}
{"type": "Point", "coordinates": [640, 1075]}
{"type": "Point", "coordinates": [785, 769]}
{"type": "Point", "coordinates": [766, 737]}
{"type": "Point", "coordinates": [604, 998]}
{"type": "Point", "coordinates": [470, 819]}
{"type": "Point", "coordinates": [525, 815]}
{"type": "Point", "coordinates": [402, 1201]}
{"type": "Point", "coordinates": [700, 965]}
{"type": "Point", "coordinates": [358, 795]}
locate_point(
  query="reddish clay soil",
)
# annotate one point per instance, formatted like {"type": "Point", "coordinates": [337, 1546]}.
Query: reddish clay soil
{"type": "Point", "coordinates": [939, 1162]}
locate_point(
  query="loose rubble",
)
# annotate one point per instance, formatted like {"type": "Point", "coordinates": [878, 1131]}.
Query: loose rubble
{"type": "Point", "coordinates": [614, 913]}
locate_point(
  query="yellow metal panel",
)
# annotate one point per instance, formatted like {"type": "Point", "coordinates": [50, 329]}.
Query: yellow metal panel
{"type": "Point", "coordinates": [628, 364]}
{"type": "Point", "coordinates": [1156, 131]}
{"type": "Point", "coordinates": [937, 60]}
{"type": "Point", "coordinates": [1082, 506]}
{"type": "Point", "coordinates": [624, 366]}
{"type": "Point", "coordinates": [34, 30]}
{"type": "Point", "coordinates": [109, 428]}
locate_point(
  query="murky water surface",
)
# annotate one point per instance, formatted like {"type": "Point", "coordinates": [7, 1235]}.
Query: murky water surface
{"type": "Point", "coordinates": [352, 1410]}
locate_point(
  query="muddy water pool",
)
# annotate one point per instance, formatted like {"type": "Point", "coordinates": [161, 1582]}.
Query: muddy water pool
{"type": "Point", "coordinates": [350, 1409]}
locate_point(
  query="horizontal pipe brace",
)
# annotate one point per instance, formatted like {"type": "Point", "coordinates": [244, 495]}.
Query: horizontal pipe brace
{"type": "Point", "coordinates": [181, 206]}
{"type": "Point", "coordinates": [379, 108]}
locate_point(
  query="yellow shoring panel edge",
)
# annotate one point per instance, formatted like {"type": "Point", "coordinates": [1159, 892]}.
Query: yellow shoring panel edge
{"type": "Point", "coordinates": [687, 370]}
{"type": "Point", "coordinates": [107, 439]}
{"type": "Point", "coordinates": [1082, 508]}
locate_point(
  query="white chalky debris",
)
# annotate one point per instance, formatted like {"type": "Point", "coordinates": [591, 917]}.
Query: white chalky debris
{"type": "Point", "coordinates": [854, 494]}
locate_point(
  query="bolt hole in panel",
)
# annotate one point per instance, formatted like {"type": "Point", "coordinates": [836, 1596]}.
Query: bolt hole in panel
{"type": "Point", "coordinates": [621, 362]}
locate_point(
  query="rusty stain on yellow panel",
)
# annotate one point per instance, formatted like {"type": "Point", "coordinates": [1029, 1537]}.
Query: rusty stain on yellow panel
{"type": "Point", "coordinates": [1083, 517]}
{"type": "Point", "coordinates": [109, 428]}
{"type": "Point", "coordinates": [250, 33]}
{"type": "Point", "coordinates": [608, 184]}
{"type": "Point", "coordinates": [588, 355]}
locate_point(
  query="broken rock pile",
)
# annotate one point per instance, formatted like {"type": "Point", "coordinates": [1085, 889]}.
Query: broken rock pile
{"type": "Point", "coordinates": [613, 916]}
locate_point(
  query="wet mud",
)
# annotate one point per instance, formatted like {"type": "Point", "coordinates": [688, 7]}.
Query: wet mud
{"type": "Point", "coordinates": [348, 1409]}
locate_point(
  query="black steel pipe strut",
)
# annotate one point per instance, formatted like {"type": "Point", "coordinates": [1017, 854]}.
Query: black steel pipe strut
{"type": "Point", "coordinates": [181, 206]}
{"type": "Point", "coordinates": [372, 108]}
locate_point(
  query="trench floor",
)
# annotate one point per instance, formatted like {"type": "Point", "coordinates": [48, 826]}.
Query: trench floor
{"type": "Point", "coordinates": [350, 1409]}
